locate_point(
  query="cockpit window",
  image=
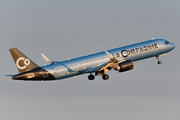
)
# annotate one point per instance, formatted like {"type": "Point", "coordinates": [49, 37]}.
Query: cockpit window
{"type": "Point", "coordinates": [166, 42]}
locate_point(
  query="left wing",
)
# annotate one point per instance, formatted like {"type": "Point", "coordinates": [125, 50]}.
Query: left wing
{"type": "Point", "coordinates": [49, 61]}
{"type": "Point", "coordinates": [46, 59]}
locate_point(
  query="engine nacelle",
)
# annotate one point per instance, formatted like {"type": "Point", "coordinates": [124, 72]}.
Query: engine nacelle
{"type": "Point", "coordinates": [125, 66]}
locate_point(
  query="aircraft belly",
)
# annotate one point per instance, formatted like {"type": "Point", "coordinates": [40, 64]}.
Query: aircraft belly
{"type": "Point", "coordinates": [66, 74]}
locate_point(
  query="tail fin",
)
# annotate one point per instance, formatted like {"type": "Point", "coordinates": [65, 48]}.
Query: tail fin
{"type": "Point", "coordinates": [22, 62]}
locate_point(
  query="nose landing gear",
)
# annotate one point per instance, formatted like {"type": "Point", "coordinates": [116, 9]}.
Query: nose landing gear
{"type": "Point", "coordinates": [159, 62]}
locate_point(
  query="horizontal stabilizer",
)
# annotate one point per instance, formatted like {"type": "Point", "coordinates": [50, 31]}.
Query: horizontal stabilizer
{"type": "Point", "coordinates": [9, 75]}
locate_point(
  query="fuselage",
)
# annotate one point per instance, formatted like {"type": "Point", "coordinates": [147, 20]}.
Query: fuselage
{"type": "Point", "coordinates": [90, 63]}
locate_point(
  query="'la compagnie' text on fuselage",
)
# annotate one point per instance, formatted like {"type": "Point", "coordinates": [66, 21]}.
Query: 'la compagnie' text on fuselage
{"type": "Point", "coordinates": [126, 53]}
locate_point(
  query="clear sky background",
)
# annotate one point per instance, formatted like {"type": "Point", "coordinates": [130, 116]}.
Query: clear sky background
{"type": "Point", "coordinates": [63, 29]}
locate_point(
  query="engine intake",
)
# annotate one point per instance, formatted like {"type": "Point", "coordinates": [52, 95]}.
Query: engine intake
{"type": "Point", "coordinates": [125, 66]}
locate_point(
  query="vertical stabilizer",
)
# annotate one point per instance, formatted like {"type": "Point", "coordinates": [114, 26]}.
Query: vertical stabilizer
{"type": "Point", "coordinates": [22, 62]}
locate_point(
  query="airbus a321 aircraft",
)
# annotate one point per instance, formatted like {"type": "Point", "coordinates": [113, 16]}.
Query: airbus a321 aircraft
{"type": "Point", "coordinates": [120, 59]}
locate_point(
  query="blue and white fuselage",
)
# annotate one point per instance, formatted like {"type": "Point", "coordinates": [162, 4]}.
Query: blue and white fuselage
{"type": "Point", "coordinates": [120, 59]}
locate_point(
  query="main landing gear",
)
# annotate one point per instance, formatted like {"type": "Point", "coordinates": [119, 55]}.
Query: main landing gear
{"type": "Point", "coordinates": [159, 62]}
{"type": "Point", "coordinates": [91, 77]}
{"type": "Point", "coordinates": [104, 77]}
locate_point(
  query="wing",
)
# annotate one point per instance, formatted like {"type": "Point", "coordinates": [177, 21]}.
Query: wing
{"type": "Point", "coordinates": [113, 63]}
{"type": "Point", "coordinates": [49, 61]}
{"type": "Point", "coordinates": [46, 59]}
{"type": "Point", "coordinates": [9, 75]}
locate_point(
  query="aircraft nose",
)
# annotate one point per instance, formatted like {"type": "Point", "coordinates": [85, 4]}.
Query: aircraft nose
{"type": "Point", "coordinates": [172, 45]}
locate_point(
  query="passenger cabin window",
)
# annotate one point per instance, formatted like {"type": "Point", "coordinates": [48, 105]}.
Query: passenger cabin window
{"type": "Point", "coordinates": [166, 42]}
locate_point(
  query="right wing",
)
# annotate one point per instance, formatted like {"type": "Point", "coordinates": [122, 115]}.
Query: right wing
{"type": "Point", "coordinates": [46, 59]}
{"type": "Point", "coordinates": [113, 63]}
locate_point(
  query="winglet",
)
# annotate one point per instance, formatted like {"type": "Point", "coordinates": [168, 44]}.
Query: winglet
{"type": "Point", "coordinates": [109, 55]}
{"type": "Point", "coordinates": [45, 58]}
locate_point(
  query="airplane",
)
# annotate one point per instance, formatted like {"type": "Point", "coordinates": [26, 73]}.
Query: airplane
{"type": "Point", "coordinates": [120, 59]}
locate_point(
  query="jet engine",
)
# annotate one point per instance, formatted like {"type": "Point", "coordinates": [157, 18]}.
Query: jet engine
{"type": "Point", "coordinates": [124, 66]}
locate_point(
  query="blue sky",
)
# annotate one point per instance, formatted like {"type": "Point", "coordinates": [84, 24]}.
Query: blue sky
{"type": "Point", "coordinates": [69, 29]}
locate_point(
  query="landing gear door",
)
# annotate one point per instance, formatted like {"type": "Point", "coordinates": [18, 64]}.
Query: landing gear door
{"type": "Point", "coordinates": [160, 47]}
{"type": "Point", "coordinates": [44, 72]}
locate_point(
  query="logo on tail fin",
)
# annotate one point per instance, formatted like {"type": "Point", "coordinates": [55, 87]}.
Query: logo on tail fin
{"type": "Point", "coordinates": [26, 63]}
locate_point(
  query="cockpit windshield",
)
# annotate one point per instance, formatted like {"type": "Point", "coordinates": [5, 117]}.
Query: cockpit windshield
{"type": "Point", "coordinates": [166, 42]}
